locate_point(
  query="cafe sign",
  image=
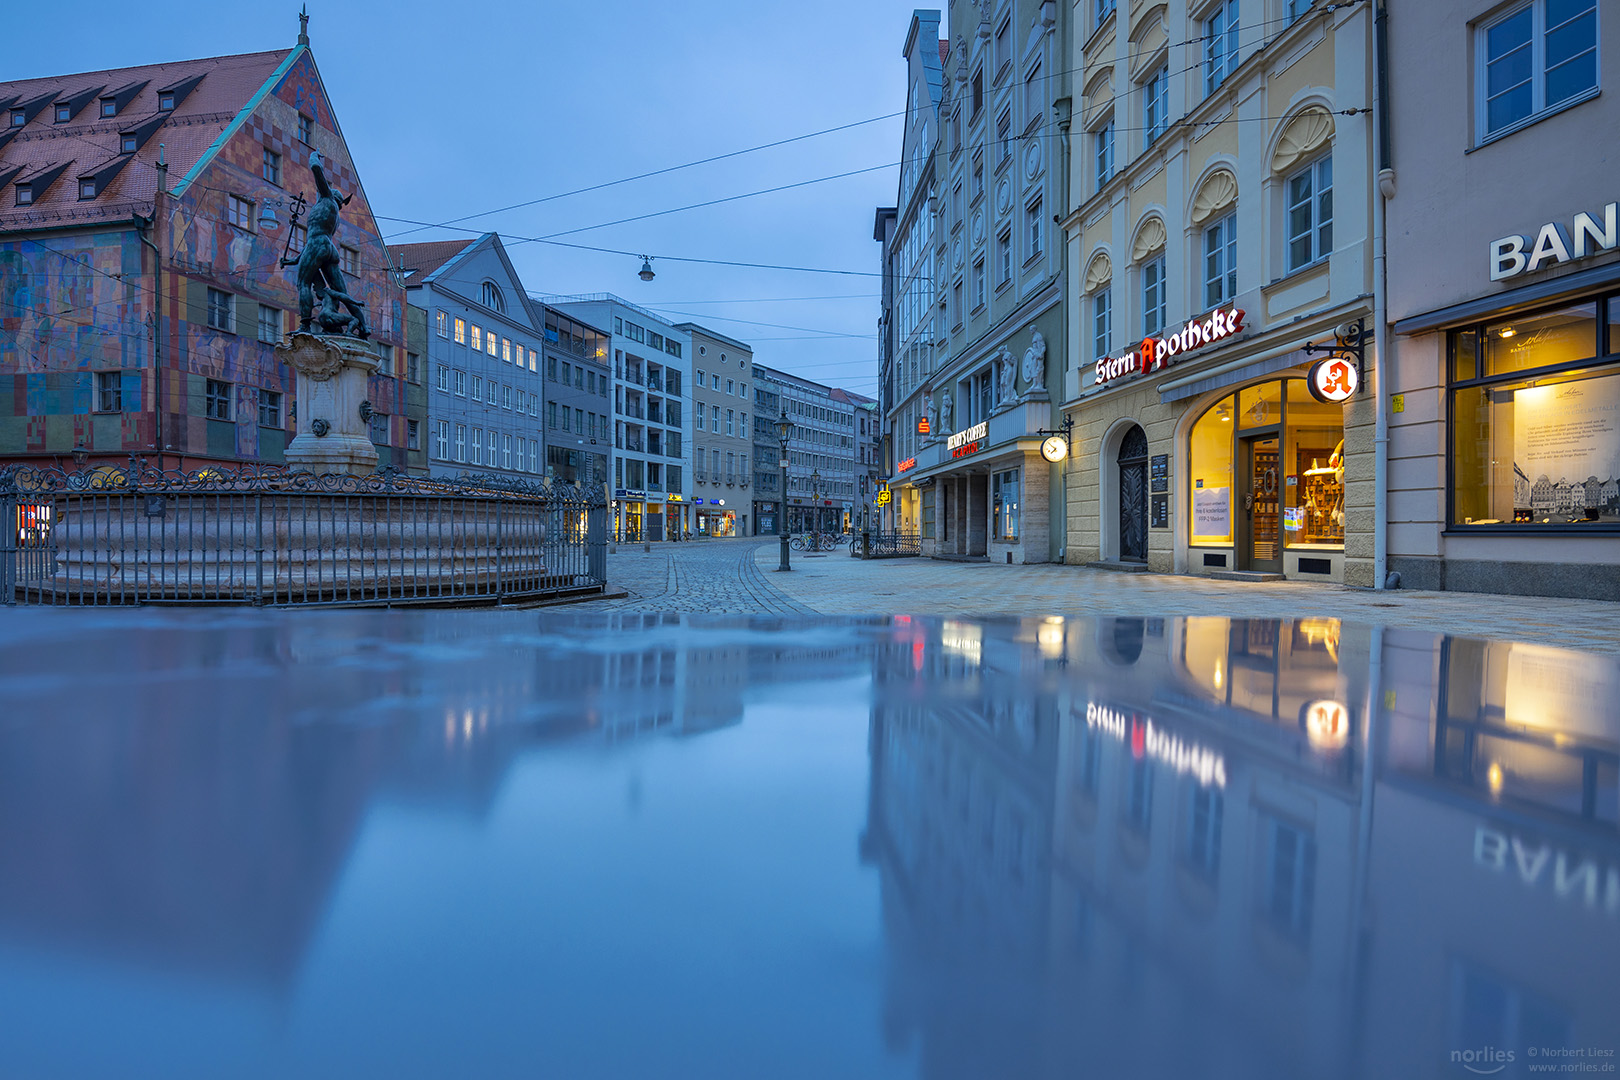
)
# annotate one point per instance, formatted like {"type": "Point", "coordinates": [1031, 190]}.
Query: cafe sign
{"type": "Point", "coordinates": [969, 440]}
{"type": "Point", "coordinates": [1160, 352]}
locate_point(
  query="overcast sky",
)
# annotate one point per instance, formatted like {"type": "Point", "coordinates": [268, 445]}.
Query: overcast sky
{"type": "Point", "coordinates": [456, 108]}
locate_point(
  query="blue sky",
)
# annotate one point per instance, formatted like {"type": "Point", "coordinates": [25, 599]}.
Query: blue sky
{"type": "Point", "coordinates": [450, 113]}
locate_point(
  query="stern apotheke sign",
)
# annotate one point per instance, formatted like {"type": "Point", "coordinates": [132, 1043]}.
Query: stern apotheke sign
{"type": "Point", "coordinates": [1159, 352]}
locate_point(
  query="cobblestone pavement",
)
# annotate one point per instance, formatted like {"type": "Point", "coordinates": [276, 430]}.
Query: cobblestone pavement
{"type": "Point", "coordinates": [738, 576]}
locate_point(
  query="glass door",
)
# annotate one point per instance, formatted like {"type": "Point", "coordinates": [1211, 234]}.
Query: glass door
{"type": "Point", "coordinates": [1260, 535]}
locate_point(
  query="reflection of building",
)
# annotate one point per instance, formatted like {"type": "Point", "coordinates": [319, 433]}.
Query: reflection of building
{"type": "Point", "coordinates": [1228, 884]}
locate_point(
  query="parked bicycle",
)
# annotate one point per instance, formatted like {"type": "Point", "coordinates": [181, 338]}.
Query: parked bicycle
{"type": "Point", "coordinates": [817, 541]}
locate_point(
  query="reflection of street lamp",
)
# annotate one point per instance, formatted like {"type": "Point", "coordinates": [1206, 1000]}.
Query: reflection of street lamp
{"type": "Point", "coordinates": [784, 428]}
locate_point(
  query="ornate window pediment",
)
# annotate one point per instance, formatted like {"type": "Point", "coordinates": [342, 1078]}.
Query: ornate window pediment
{"type": "Point", "coordinates": [1305, 134]}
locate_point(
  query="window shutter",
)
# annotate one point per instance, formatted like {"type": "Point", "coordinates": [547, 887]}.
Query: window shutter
{"type": "Point", "coordinates": [196, 303]}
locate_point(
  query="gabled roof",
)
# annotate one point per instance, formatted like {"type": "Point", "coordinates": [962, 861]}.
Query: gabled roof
{"type": "Point", "coordinates": [209, 94]}
{"type": "Point", "coordinates": [422, 260]}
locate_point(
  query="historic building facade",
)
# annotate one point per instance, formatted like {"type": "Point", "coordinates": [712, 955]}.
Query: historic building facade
{"type": "Point", "coordinates": [144, 216]}
{"type": "Point", "coordinates": [1504, 300]}
{"type": "Point", "coordinates": [722, 413]}
{"type": "Point", "coordinates": [821, 481]}
{"type": "Point", "coordinates": [1223, 190]}
{"type": "Point", "coordinates": [483, 361]}
{"type": "Point", "coordinates": [968, 414]}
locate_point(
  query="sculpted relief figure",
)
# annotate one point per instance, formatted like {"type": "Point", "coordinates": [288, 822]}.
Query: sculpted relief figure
{"type": "Point", "coordinates": [933, 416]}
{"type": "Point", "coordinates": [1035, 366]}
{"type": "Point", "coordinates": [947, 413]}
{"type": "Point", "coordinates": [1005, 372]}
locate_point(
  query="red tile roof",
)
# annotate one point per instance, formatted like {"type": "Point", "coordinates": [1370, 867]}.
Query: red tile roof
{"type": "Point", "coordinates": [944, 51]}
{"type": "Point", "coordinates": [423, 259]}
{"type": "Point", "coordinates": [88, 142]}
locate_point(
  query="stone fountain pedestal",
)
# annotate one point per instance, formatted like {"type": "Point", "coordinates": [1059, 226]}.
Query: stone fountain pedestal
{"type": "Point", "coordinates": [333, 409]}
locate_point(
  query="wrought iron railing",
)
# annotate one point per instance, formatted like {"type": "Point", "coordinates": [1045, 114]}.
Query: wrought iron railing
{"type": "Point", "coordinates": [886, 545]}
{"type": "Point", "coordinates": [267, 535]}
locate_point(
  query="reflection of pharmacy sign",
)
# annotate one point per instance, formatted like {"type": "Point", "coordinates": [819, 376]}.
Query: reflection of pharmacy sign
{"type": "Point", "coordinates": [1148, 740]}
{"type": "Point", "coordinates": [1555, 243]}
{"type": "Point", "coordinates": [1327, 724]}
{"type": "Point", "coordinates": [1333, 379]}
{"type": "Point", "coordinates": [1158, 352]}
{"type": "Point", "coordinates": [969, 440]}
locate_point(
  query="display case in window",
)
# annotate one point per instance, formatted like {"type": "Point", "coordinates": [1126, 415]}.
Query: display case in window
{"type": "Point", "coordinates": [1318, 513]}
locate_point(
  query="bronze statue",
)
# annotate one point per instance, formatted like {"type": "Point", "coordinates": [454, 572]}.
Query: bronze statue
{"type": "Point", "coordinates": [320, 275]}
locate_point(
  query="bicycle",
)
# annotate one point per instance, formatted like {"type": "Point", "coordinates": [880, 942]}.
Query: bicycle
{"type": "Point", "coordinates": [817, 542]}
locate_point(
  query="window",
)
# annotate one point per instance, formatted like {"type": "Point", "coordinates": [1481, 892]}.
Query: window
{"type": "Point", "coordinates": [1512, 461]}
{"type": "Point", "coordinates": [272, 167]}
{"type": "Point", "coordinates": [109, 107]}
{"type": "Point", "coordinates": [731, 387]}
{"type": "Point", "coordinates": [1104, 153]}
{"type": "Point", "coordinates": [477, 338]}
{"type": "Point", "coordinates": [306, 129]}
{"type": "Point", "coordinates": [1036, 227]}
{"type": "Point", "coordinates": [978, 283]}
{"type": "Point", "coordinates": [18, 118]}
{"type": "Point", "coordinates": [1220, 44]}
{"type": "Point", "coordinates": [1205, 809]}
{"type": "Point", "coordinates": [413, 367]}
{"type": "Point", "coordinates": [579, 421]}
{"type": "Point", "coordinates": [217, 400]}
{"type": "Point", "coordinates": [534, 361]}
{"type": "Point", "coordinates": [165, 102]}
{"type": "Point", "coordinates": [1034, 94]}
{"type": "Point", "coordinates": [378, 429]}
{"type": "Point", "coordinates": [269, 324]}
{"type": "Point", "coordinates": [977, 92]}
{"type": "Point", "coordinates": [956, 303]}
{"type": "Point", "coordinates": [413, 435]}
{"type": "Point", "coordinates": [461, 442]}
{"type": "Point", "coordinates": [522, 402]}
{"type": "Point", "coordinates": [461, 332]}
{"type": "Point", "coordinates": [1534, 60]}
{"type": "Point", "coordinates": [1309, 194]}
{"type": "Point", "coordinates": [491, 395]}
{"type": "Point", "coordinates": [1155, 105]}
{"type": "Point", "coordinates": [1153, 296]}
{"type": "Point", "coordinates": [351, 260]}
{"type": "Point", "coordinates": [441, 438]}
{"type": "Point", "coordinates": [506, 351]}
{"type": "Point", "coordinates": [1004, 138]}
{"type": "Point", "coordinates": [490, 296]}
{"type": "Point", "coordinates": [1003, 46]}
{"type": "Point", "coordinates": [551, 414]}
{"type": "Point", "coordinates": [461, 383]}
{"type": "Point", "coordinates": [441, 323]}
{"type": "Point", "coordinates": [731, 422]}
{"type": "Point", "coordinates": [490, 345]}
{"type": "Point", "coordinates": [506, 397]}
{"type": "Point", "coordinates": [1290, 892]}
{"type": "Point", "coordinates": [493, 445]}
{"type": "Point", "coordinates": [109, 391]}
{"type": "Point", "coordinates": [1296, 8]}
{"type": "Point", "coordinates": [1105, 8]}
{"type": "Point", "coordinates": [221, 310]}
{"type": "Point", "coordinates": [64, 113]}
{"type": "Point", "coordinates": [25, 194]}
{"type": "Point", "coordinates": [1102, 322]}
{"type": "Point", "coordinates": [87, 188]}
{"type": "Point", "coordinates": [506, 452]}
{"type": "Point", "coordinates": [978, 177]}
{"type": "Point", "coordinates": [239, 212]}
{"type": "Point", "coordinates": [1220, 261]}
{"type": "Point", "coordinates": [477, 387]}
{"type": "Point", "coordinates": [296, 236]}
{"type": "Point", "coordinates": [1005, 493]}
{"type": "Point", "coordinates": [128, 143]}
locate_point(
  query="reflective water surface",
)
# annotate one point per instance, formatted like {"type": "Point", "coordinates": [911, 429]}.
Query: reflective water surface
{"type": "Point", "coordinates": [341, 844]}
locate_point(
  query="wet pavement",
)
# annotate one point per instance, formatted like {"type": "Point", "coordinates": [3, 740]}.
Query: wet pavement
{"type": "Point", "coordinates": [521, 844]}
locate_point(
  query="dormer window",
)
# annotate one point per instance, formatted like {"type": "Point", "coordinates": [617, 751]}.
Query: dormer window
{"type": "Point", "coordinates": [87, 189]}
{"type": "Point", "coordinates": [25, 194]}
{"type": "Point", "coordinates": [64, 112]}
{"type": "Point", "coordinates": [18, 118]}
{"type": "Point", "coordinates": [165, 102]}
{"type": "Point", "coordinates": [109, 107]}
{"type": "Point", "coordinates": [127, 143]}
{"type": "Point", "coordinates": [491, 297]}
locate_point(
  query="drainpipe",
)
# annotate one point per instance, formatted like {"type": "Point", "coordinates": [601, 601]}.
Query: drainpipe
{"type": "Point", "coordinates": [1384, 341]}
{"type": "Point", "coordinates": [157, 311]}
{"type": "Point", "coordinates": [1058, 524]}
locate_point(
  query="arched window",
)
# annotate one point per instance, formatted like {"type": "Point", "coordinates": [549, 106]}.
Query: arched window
{"type": "Point", "coordinates": [491, 297]}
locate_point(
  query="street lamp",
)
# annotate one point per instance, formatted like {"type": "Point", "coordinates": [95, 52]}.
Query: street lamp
{"type": "Point", "coordinates": [815, 500]}
{"type": "Point", "coordinates": [784, 428]}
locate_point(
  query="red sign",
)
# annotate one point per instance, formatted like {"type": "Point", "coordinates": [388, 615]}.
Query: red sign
{"type": "Point", "coordinates": [1333, 380]}
{"type": "Point", "coordinates": [909, 463]}
{"type": "Point", "coordinates": [922, 425]}
{"type": "Point", "coordinates": [1155, 353]}
{"type": "Point", "coordinates": [966, 449]}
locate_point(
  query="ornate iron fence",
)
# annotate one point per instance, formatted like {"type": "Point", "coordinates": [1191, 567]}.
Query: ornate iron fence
{"type": "Point", "coordinates": [268, 535]}
{"type": "Point", "coordinates": [886, 545]}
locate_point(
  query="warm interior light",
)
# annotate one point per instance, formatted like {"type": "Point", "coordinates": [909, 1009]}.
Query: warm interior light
{"type": "Point", "coordinates": [1507, 331]}
{"type": "Point", "coordinates": [1494, 775]}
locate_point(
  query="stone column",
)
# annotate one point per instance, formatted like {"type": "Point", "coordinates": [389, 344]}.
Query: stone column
{"type": "Point", "coordinates": [333, 412]}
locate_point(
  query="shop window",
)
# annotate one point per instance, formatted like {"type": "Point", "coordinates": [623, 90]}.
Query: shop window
{"type": "Point", "coordinates": [1005, 497]}
{"type": "Point", "coordinates": [1543, 450]}
{"type": "Point", "coordinates": [928, 513]}
{"type": "Point", "coordinates": [1313, 480]}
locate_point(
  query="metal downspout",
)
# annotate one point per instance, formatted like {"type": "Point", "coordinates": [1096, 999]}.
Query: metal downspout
{"type": "Point", "coordinates": [1384, 343]}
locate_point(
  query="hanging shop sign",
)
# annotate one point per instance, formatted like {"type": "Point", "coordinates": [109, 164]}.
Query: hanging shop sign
{"type": "Point", "coordinates": [909, 463]}
{"type": "Point", "coordinates": [922, 425]}
{"type": "Point", "coordinates": [627, 493]}
{"type": "Point", "coordinates": [672, 497]}
{"type": "Point", "coordinates": [1333, 379]}
{"type": "Point", "coordinates": [969, 440]}
{"type": "Point", "coordinates": [1555, 243]}
{"type": "Point", "coordinates": [1160, 352]}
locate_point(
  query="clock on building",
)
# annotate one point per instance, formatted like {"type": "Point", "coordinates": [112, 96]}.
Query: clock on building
{"type": "Point", "coordinates": [1054, 448]}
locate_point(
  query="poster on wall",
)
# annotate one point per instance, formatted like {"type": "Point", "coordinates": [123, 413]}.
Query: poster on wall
{"type": "Point", "coordinates": [1566, 450]}
{"type": "Point", "coordinates": [1212, 512]}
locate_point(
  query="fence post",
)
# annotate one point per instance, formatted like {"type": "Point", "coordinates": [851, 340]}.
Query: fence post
{"type": "Point", "coordinates": [9, 550]}
{"type": "Point", "coordinates": [258, 540]}
{"type": "Point", "coordinates": [498, 584]}
{"type": "Point", "coordinates": [866, 543]}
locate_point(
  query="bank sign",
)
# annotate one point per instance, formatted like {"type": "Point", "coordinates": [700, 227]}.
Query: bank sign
{"type": "Point", "coordinates": [1160, 352]}
{"type": "Point", "coordinates": [1555, 243]}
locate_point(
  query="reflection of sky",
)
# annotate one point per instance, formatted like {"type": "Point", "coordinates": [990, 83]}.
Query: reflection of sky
{"type": "Point", "coordinates": [425, 844]}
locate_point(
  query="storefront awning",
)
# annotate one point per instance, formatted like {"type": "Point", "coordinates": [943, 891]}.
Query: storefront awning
{"type": "Point", "coordinates": [1511, 301]}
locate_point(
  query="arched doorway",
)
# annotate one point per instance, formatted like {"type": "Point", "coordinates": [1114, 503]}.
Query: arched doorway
{"type": "Point", "coordinates": [1133, 496]}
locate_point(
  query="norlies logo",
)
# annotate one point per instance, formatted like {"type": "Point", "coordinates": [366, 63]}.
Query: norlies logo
{"type": "Point", "coordinates": [1485, 1061]}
